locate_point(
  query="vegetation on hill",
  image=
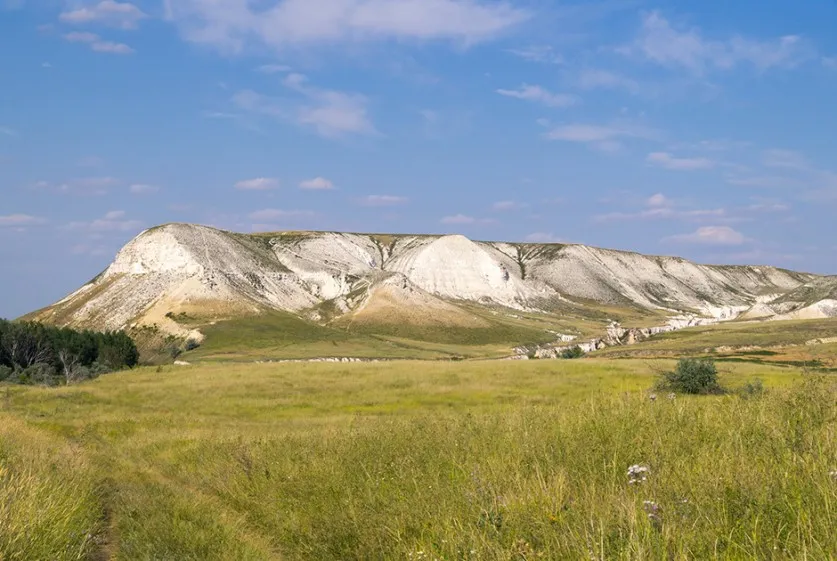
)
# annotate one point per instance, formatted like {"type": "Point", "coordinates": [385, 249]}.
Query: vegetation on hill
{"type": "Point", "coordinates": [32, 352]}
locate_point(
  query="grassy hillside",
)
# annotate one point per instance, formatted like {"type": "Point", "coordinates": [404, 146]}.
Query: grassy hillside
{"type": "Point", "coordinates": [773, 340]}
{"type": "Point", "coordinates": [481, 460]}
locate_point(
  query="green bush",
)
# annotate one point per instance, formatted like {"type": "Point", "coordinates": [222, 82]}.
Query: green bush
{"type": "Point", "coordinates": [5, 373]}
{"type": "Point", "coordinates": [574, 352]}
{"type": "Point", "coordinates": [692, 376]}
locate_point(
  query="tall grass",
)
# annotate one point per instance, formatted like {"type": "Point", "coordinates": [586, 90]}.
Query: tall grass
{"type": "Point", "coordinates": [49, 508]}
{"type": "Point", "coordinates": [455, 461]}
{"type": "Point", "coordinates": [728, 479]}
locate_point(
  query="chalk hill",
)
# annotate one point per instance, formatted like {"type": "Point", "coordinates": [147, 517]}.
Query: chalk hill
{"type": "Point", "coordinates": [432, 280]}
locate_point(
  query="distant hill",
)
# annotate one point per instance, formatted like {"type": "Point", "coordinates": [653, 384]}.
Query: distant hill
{"type": "Point", "coordinates": [183, 277]}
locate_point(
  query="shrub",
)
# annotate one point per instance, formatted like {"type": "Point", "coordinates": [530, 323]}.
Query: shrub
{"type": "Point", "coordinates": [42, 374]}
{"type": "Point", "coordinates": [191, 345]}
{"type": "Point", "coordinates": [574, 352]}
{"type": "Point", "coordinates": [5, 373]}
{"type": "Point", "coordinates": [692, 376]}
{"type": "Point", "coordinates": [753, 388]}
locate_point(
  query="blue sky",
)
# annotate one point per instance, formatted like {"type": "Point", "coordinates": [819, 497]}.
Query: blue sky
{"type": "Point", "coordinates": [706, 130]}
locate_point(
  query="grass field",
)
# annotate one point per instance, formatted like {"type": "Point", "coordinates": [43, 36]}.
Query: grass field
{"type": "Point", "coordinates": [495, 460]}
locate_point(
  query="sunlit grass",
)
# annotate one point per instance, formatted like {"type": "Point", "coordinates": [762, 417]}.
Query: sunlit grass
{"type": "Point", "coordinates": [415, 460]}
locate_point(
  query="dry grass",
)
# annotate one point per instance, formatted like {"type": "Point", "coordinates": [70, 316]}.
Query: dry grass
{"type": "Point", "coordinates": [417, 460]}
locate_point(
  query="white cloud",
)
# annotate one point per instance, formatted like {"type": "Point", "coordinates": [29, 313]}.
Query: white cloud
{"type": "Point", "coordinates": [788, 159]}
{"type": "Point", "coordinates": [273, 68]}
{"type": "Point", "coordinates": [113, 221]}
{"type": "Point", "coordinates": [97, 44]}
{"type": "Point", "coordinates": [269, 214]}
{"type": "Point", "coordinates": [459, 219]}
{"type": "Point", "coordinates": [542, 237]}
{"type": "Point", "coordinates": [317, 184]}
{"type": "Point", "coordinates": [80, 186]}
{"type": "Point", "coordinates": [81, 37]}
{"type": "Point", "coordinates": [660, 207]}
{"type": "Point", "coordinates": [590, 79]}
{"type": "Point", "coordinates": [507, 205]}
{"type": "Point", "coordinates": [331, 113]}
{"type": "Point", "coordinates": [257, 184]}
{"type": "Point", "coordinates": [606, 138]}
{"type": "Point", "coordinates": [8, 131]}
{"type": "Point", "coordinates": [830, 62]}
{"type": "Point", "coordinates": [666, 160]}
{"type": "Point", "coordinates": [711, 235]}
{"type": "Point", "coordinates": [661, 43]}
{"type": "Point", "coordinates": [664, 213]}
{"type": "Point", "coordinates": [142, 189]}
{"type": "Point", "coordinates": [112, 48]}
{"type": "Point", "coordinates": [659, 200]}
{"type": "Point", "coordinates": [107, 12]}
{"type": "Point", "coordinates": [540, 95]}
{"type": "Point", "coordinates": [232, 26]}
{"type": "Point", "coordinates": [383, 200]}
{"type": "Point", "coordinates": [20, 220]}
{"type": "Point", "coordinates": [768, 205]}
{"type": "Point", "coordinates": [542, 53]}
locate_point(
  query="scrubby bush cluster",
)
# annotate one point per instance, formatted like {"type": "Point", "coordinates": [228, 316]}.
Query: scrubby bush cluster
{"type": "Point", "coordinates": [34, 353]}
{"type": "Point", "coordinates": [692, 376]}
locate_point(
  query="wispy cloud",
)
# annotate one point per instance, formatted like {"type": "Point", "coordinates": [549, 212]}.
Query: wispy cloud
{"type": "Point", "coordinates": [543, 237]}
{"type": "Point", "coordinates": [97, 44]}
{"type": "Point", "coordinates": [602, 137]}
{"type": "Point", "coordinates": [21, 220]}
{"type": "Point", "coordinates": [668, 161]}
{"type": "Point", "coordinates": [592, 78]}
{"type": "Point", "coordinates": [538, 53]}
{"type": "Point", "coordinates": [232, 26]}
{"type": "Point", "coordinates": [710, 235]}
{"type": "Point", "coordinates": [331, 113]}
{"type": "Point", "coordinates": [788, 159]}
{"type": "Point", "coordinates": [8, 131]}
{"type": "Point", "coordinates": [540, 95]}
{"type": "Point", "coordinates": [660, 42]}
{"type": "Point", "coordinates": [273, 68]}
{"type": "Point", "coordinates": [507, 205]}
{"type": "Point", "coordinates": [383, 200]}
{"type": "Point", "coordinates": [269, 214]}
{"type": "Point", "coordinates": [113, 221]}
{"type": "Point", "coordinates": [83, 186]}
{"type": "Point", "coordinates": [123, 15]}
{"type": "Point", "coordinates": [257, 184]}
{"type": "Point", "coordinates": [459, 219]}
{"type": "Point", "coordinates": [317, 184]}
{"type": "Point", "coordinates": [143, 189]}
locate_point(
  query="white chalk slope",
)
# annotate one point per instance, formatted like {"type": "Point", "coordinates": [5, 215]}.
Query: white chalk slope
{"type": "Point", "coordinates": [188, 268]}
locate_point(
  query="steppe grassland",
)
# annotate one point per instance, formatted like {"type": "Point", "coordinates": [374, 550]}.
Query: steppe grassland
{"type": "Point", "coordinates": [412, 460]}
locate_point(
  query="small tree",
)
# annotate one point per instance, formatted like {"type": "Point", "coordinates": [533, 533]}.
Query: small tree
{"type": "Point", "coordinates": [692, 376]}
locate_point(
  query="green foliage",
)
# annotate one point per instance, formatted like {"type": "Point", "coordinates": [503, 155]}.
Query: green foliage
{"type": "Point", "coordinates": [43, 354]}
{"type": "Point", "coordinates": [692, 376]}
{"type": "Point", "coordinates": [5, 373]}
{"type": "Point", "coordinates": [574, 352]}
{"type": "Point", "coordinates": [191, 345]}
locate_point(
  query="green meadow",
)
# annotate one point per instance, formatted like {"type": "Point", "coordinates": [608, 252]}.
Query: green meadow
{"type": "Point", "coordinates": [482, 460]}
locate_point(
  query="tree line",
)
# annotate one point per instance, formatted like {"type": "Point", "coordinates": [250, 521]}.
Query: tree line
{"type": "Point", "coordinates": [34, 353]}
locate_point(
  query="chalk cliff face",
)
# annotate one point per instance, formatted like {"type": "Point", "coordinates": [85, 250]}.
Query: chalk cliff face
{"type": "Point", "coordinates": [183, 267]}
